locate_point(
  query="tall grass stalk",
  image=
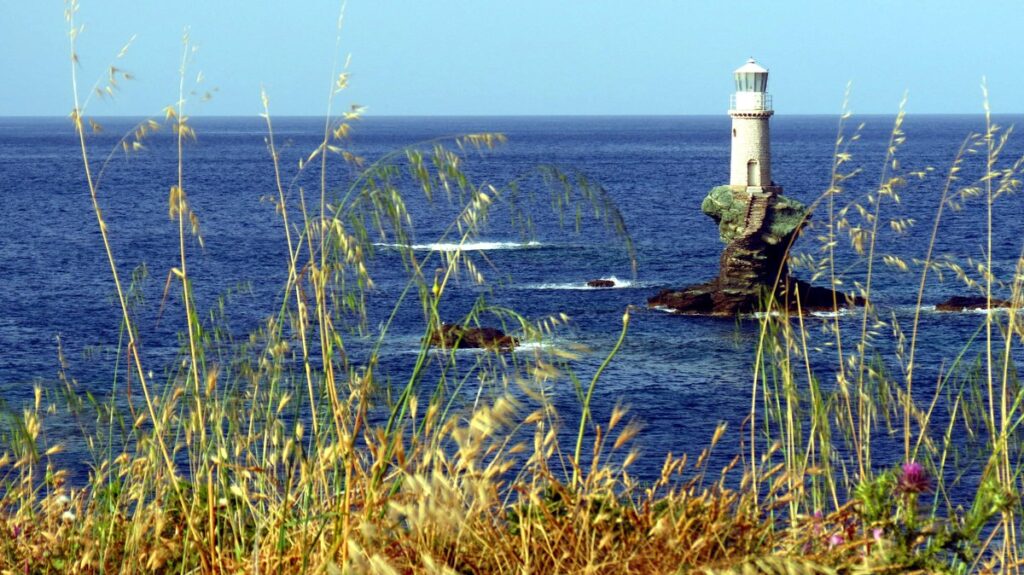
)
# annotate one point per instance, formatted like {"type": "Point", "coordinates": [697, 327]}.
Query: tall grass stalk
{"type": "Point", "coordinates": [806, 421]}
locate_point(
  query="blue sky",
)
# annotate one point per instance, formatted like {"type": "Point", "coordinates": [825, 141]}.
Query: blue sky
{"type": "Point", "coordinates": [462, 57]}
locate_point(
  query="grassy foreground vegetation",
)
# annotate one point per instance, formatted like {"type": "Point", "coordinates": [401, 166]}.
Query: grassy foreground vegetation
{"type": "Point", "coordinates": [293, 453]}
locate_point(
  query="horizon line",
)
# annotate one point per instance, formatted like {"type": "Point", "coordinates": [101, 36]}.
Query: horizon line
{"type": "Point", "coordinates": [498, 115]}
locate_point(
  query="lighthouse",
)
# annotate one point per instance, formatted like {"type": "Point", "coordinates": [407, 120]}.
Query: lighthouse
{"type": "Point", "coordinates": [755, 221]}
{"type": "Point", "coordinates": [751, 108]}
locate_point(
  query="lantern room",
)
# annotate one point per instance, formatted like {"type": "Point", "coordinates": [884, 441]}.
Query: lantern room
{"type": "Point", "coordinates": [751, 88]}
{"type": "Point", "coordinates": [751, 77]}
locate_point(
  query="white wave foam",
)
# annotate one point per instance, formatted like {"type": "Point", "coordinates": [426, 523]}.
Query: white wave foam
{"type": "Point", "coordinates": [465, 246]}
{"type": "Point", "coordinates": [525, 346]}
{"type": "Point", "coordinates": [842, 312]}
{"type": "Point", "coordinates": [534, 345]}
{"type": "Point", "coordinates": [909, 310]}
{"type": "Point", "coordinates": [983, 311]}
{"type": "Point", "coordinates": [582, 285]}
{"type": "Point", "coordinates": [823, 314]}
{"type": "Point", "coordinates": [971, 311]}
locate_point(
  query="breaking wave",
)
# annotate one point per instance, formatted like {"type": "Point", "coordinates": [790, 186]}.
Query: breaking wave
{"type": "Point", "coordinates": [466, 246]}
{"type": "Point", "coordinates": [841, 312]}
{"type": "Point", "coordinates": [582, 285]}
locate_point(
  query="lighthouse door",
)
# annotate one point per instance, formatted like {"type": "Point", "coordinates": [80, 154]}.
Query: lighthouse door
{"type": "Point", "coordinates": [753, 174]}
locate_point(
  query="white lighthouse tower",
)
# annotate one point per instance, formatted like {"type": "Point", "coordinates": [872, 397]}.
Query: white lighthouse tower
{"type": "Point", "coordinates": [750, 108]}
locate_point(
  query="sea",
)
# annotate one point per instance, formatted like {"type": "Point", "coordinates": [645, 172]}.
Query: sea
{"type": "Point", "coordinates": [679, 376]}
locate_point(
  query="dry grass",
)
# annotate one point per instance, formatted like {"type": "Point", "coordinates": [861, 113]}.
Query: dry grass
{"type": "Point", "coordinates": [277, 461]}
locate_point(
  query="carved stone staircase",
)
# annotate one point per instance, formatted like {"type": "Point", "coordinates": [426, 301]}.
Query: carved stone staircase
{"type": "Point", "coordinates": [757, 211]}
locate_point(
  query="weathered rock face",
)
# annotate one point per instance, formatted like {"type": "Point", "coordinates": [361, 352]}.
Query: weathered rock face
{"type": "Point", "coordinates": [768, 215]}
{"type": "Point", "coordinates": [712, 299]}
{"type": "Point", "coordinates": [757, 228]}
{"type": "Point", "coordinates": [961, 303]}
{"type": "Point", "coordinates": [452, 335]}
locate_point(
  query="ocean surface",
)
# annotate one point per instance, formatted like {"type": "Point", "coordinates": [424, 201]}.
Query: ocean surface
{"type": "Point", "coordinates": [680, 376]}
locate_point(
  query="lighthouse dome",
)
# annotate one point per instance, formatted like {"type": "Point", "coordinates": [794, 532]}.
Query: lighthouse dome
{"type": "Point", "coordinates": [751, 77]}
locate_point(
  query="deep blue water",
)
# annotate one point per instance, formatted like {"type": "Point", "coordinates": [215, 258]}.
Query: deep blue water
{"type": "Point", "coordinates": [681, 376]}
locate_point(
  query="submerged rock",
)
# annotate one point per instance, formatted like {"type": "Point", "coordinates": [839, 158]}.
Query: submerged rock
{"type": "Point", "coordinates": [962, 303]}
{"type": "Point", "coordinates": [698, 299]}
{"type": "Point", "coordinates": [757, 226]}
{"type": "Point", "coordinates": [453, 335]}
{"type": "Point", "coordinates": [601, 283]}
{"type": "Point", "coordinates": [711, 298]}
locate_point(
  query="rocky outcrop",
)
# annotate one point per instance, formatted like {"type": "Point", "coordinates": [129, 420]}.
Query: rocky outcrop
{"type": "Point", "coordinates": [601, 283]}
{"type": "Point", "coordinates": [963, 303]}
{"type": "Point", "coordinates": [453, 335]}
{"type": "Point", "coordinates": [757, 226]}
{"type": "Point", "coordinates": [712, 299]}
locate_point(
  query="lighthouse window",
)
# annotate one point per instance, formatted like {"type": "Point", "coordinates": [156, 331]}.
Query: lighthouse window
{"type": "Point", "coordinates": [734, 132]}
{"type": "Point", "coordinates": [752, 82]}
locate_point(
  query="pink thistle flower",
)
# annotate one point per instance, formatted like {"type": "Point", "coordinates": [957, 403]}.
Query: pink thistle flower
{"type": "Point", "coordinates": [914, 478]}
{"type": "Point", "coordinates": [816, 520]}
